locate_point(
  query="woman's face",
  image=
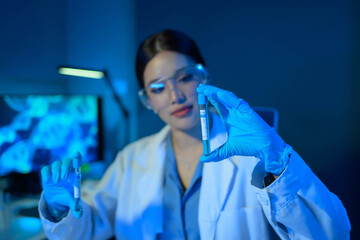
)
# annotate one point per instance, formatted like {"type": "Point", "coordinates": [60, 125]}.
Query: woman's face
{"type": "Point", "coordinates": [177, 103]}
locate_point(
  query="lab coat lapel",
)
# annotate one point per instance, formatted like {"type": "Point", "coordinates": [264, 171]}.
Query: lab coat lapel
{"type": "Point", "coordinates": [216, 182]}
{"type": "Point", "coordinates": [150, 188]}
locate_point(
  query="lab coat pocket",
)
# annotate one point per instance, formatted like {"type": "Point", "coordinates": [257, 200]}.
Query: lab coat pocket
{"type": "Point", "coordinates": [243, 223]}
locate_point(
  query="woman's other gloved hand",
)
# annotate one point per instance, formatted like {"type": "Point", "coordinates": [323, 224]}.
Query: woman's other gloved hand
{"type": "Point", "coordinates": [58, 184]}
{"type": "Point", "coordinates": [248, 133]}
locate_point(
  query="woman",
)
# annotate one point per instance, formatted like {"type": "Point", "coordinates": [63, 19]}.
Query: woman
{"type": "Point", "coordinates": [251, 186]}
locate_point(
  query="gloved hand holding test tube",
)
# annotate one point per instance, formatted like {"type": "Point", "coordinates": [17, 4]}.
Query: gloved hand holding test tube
{"type": "Point", "coordinates": [61, 187]}
{"type": "Point", "coordinates": [248, 133]}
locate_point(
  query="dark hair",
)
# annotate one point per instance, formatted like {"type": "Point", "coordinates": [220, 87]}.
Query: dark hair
{"type": "Point", "coordinates": [170, 40]}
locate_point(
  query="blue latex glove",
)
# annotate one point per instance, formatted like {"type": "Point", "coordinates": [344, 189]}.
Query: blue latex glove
{"type": "Point", "coordinates": [248, 133]}
{"type": "Point", "coordinates": [58, 189]}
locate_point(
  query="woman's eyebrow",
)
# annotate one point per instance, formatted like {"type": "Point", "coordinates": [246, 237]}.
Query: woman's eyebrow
{"type": "Point", "coordinates": [152, 81]}
{"type": "Point", "coordinates": [176, 71]}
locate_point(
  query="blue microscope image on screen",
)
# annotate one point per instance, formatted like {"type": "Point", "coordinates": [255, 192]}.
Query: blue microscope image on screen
{"type": "Point", "coordinates": [39, 129]}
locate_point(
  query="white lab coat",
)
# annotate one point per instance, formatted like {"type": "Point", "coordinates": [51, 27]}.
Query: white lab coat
{"type": "Point", "coordinates": [232, 205]}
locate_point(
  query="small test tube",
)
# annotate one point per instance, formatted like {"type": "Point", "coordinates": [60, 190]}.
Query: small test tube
{"type": "Point", "coordinates": [204, 119]}
{"type": "Point", "coordinates": [77, 182]}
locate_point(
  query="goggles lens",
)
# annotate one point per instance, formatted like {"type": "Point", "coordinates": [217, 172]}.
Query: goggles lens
{"type": "Point", "coordinates": [182, 78]}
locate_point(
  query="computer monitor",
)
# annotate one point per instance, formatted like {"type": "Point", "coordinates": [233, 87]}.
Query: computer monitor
{"type": "Point", "coordinates": [36, 130]}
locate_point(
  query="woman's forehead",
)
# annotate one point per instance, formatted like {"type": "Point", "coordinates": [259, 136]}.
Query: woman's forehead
{"type": "Point", "coordinates": [165, 64]}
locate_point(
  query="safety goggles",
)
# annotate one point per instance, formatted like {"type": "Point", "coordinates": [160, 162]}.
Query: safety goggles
{"type": "Point", "coordinates": [183, 79]}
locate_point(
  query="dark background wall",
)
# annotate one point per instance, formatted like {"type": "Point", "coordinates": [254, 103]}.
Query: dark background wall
{"type": "Point", "coordinates": [299, 57]}
{"type": "Point", "coordinates": [32, 39]}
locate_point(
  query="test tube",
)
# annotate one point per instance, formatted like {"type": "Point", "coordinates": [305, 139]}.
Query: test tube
{"type": "Point", "coordinates": [77, 181]}
{"type": "Point", "coordinates": [204, 119]}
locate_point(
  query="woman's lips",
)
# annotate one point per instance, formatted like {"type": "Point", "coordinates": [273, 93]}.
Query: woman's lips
{"type": "Point", "coordinates": [182, 111]}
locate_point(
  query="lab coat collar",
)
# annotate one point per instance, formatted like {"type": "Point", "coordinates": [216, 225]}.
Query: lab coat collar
{"type": "Point", "coordinates": [150, 187]}
{"type": "Point", "coordinates": [216, 183]}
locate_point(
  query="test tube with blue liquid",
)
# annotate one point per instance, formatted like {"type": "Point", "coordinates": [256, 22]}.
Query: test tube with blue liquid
{"type": "Point", "coordinates": [77, 181]}
{"type": "Point", "coordinates": [204, 119]}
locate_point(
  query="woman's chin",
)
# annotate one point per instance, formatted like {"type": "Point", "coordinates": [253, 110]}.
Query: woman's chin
{"type": "Point", "coordinates": [185, 124]}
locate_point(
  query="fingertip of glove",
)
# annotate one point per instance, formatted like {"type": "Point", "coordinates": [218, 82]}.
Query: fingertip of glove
{"type": "Point", "coordinates": [207, 159]}
{"type": "Point", "coordinates": [199, 89]}
{"type": "Point", "coordinates": [203, 159]}
{"type": "Point", "coordinates": [45, 174]}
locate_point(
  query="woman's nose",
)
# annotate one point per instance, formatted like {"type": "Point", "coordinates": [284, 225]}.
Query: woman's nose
{"type": "Point", "coordinates": [176, 95]}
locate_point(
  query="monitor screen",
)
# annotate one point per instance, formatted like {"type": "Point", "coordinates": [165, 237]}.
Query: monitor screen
{"type": "Point", "coordinates": [36, 130]}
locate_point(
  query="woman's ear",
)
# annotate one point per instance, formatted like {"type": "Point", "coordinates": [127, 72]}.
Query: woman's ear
{"type": "Point", "coordinates": [150, 107]}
